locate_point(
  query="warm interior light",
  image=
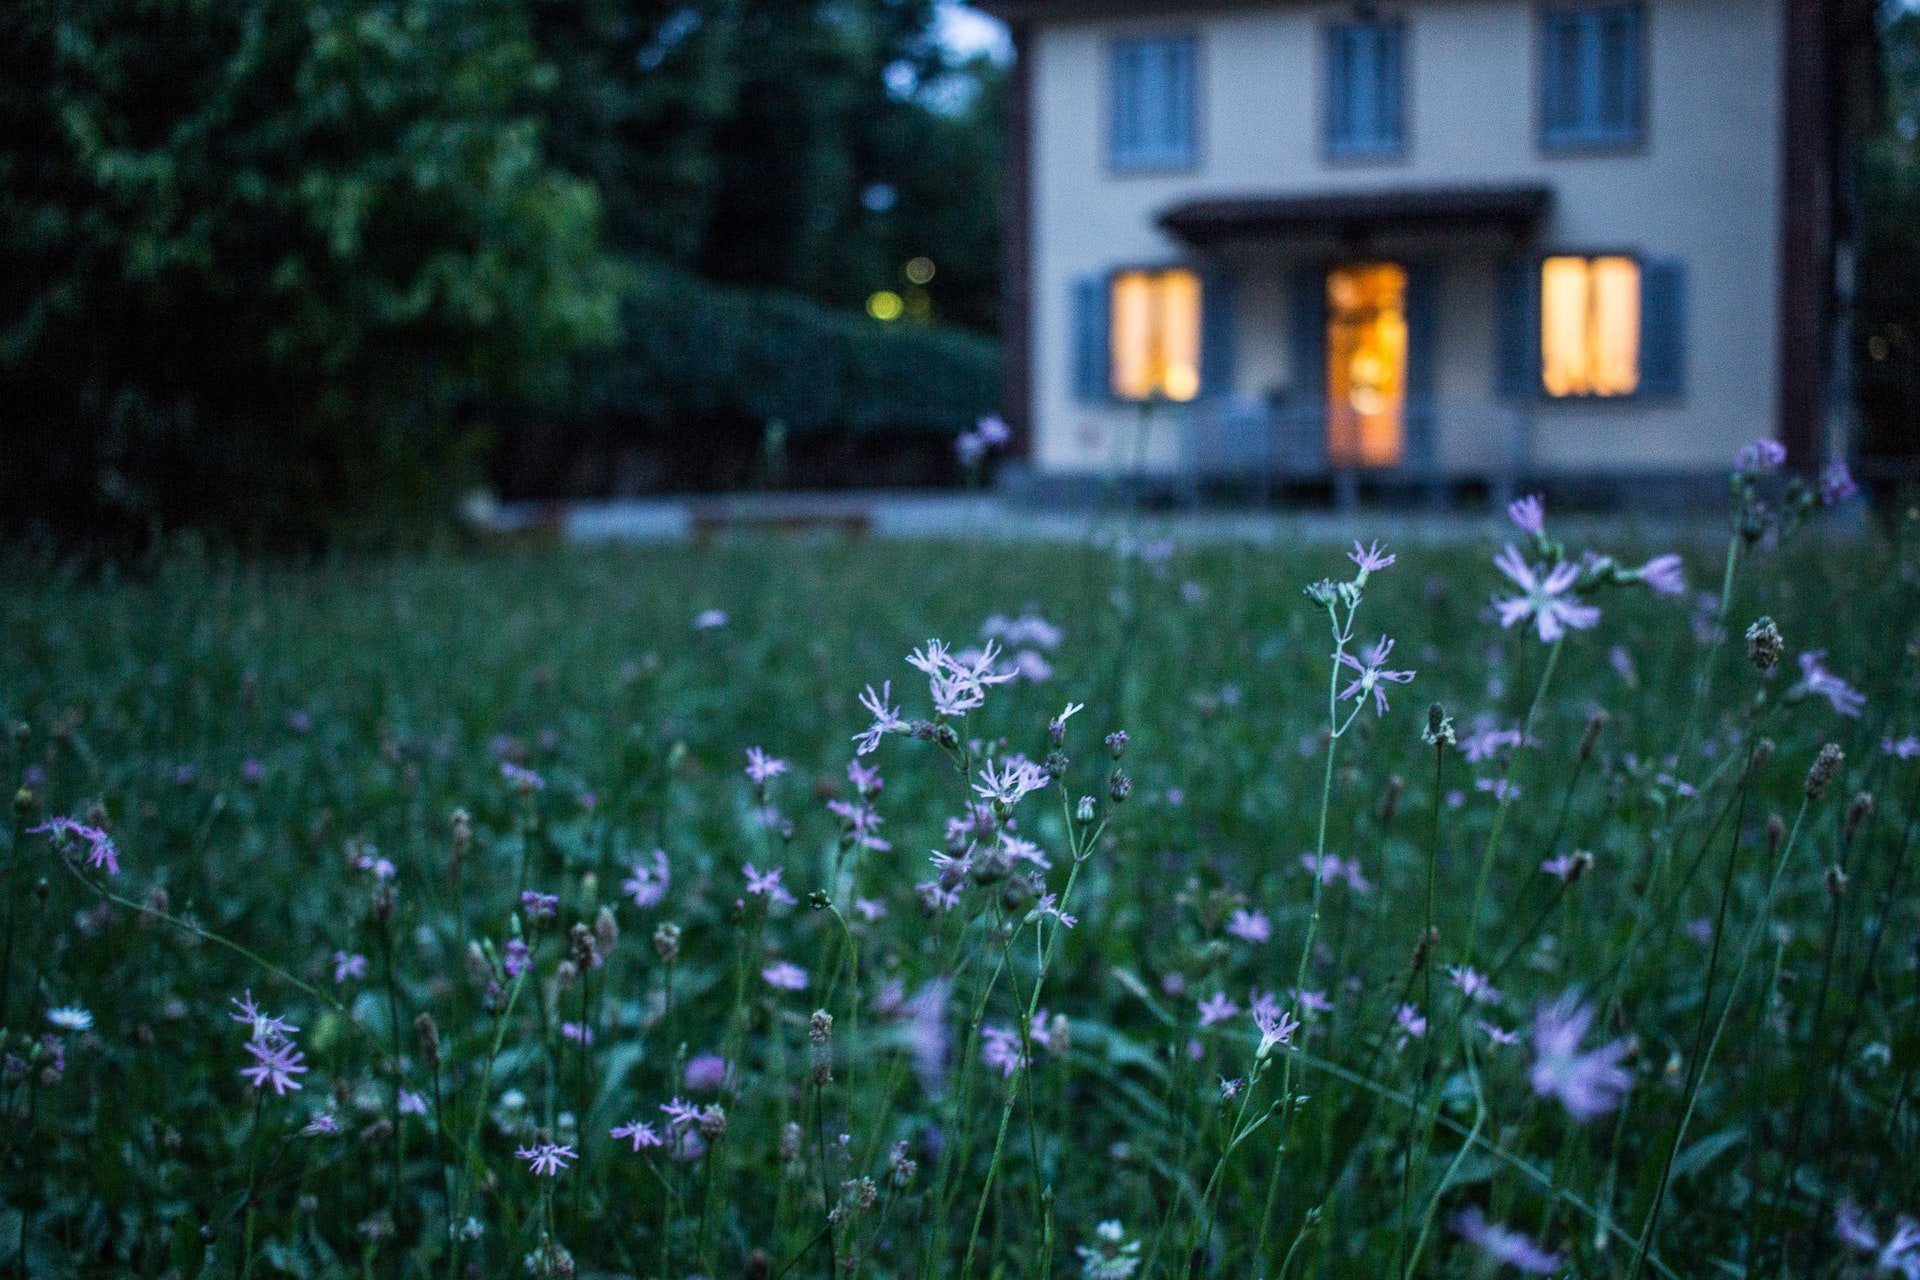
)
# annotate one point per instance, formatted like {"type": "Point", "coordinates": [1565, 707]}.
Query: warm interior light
{"type": "Point", "coordinates": [1590, 326]}
{"type": "Point", "coordinates": [1366, 364]}
{"type": "Point", "coordinates": [1155, 334]}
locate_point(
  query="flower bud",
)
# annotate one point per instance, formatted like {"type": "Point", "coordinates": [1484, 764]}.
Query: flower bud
{"type": "Point", "coordinates": [1439, 728]}
{"type": "Point", "coordinates": [1595, 723]}
{"type": "Point", "coordinates": [1857, 812]}
{"type": "Point", "coordinates": [1764, 645]}
{"type": "Point", "coordinates": [666, 941]}
{"type": "Point", "coordinates": [1836, 883]}
{"type": "Point", "coordinates": [820, 1046]}
{"type": "Point", "coordinates": [1119, 785]}
{"type": "Point", "coordinates": [1117, 743]}
{"type": "Point", "coordinates": [427, 1032]}
{"type": "Point", "coordinates": [1821, 773]}
{"type": "Point", "coordinates": [606, 933]}
{"type": "Point", "coordinates": [1084, 811]}
{"type": "Point", "coordinates": [1776, 835]}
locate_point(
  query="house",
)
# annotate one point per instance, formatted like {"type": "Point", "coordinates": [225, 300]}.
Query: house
{"type": "Point", "coordinates": [1426, 242]}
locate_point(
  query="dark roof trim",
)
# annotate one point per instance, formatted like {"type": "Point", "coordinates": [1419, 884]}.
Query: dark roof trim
{"type": "Point", "coordinates": [1513, 210]}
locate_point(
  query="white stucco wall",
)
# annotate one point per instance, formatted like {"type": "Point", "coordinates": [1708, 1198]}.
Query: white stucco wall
{"type": "Point", "coordinates": [1704, 189]}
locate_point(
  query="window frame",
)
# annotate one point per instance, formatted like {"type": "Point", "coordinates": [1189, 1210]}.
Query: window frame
{"type": "Point", "coordinates": [1163, 267]}
{"type": "Point", "coordinates": [1333, 150]}
{"type": "Point", "coordinates": [1553, 141]}
{"type": "Point", "coordinates": [1537, 280]}
{"type": "Point", "coordinates": [1125, 164]}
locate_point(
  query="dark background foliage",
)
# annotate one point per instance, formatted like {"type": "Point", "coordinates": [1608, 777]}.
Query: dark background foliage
{"type": "Point", "coordinates": [296, 270]}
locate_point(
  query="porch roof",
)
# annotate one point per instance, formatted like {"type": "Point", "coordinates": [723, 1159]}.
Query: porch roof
{"type": "Point", "coordinates": [1514, 210]}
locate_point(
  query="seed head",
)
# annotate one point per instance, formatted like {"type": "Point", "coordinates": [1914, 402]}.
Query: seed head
{"type": "Point", "coordinates": [1595, 723]}
{"type": "Point", "coordinates": [1084, 811]}
{"type": "Point", "coordinates": [820, 1046]}
{"type": "Point", "coordinates": [1857, 812]}
{"type": "Point", "coordinates": [1390, 799]}
{"type": "Point", "coordinates": [606, 933]}
{"type": "Point", "coordinates": [1119, 785]}
{"type": "Point", "coordinates": [1439, 728]}
{"type": "Point", "coordinates": [1764, 644]}
{"type": "Point", "coordinates": [1821, 773]}
{"type": "Point", "coordinates": [427, 1032]}
{"type": "Point", "coordinates": [1117, 743]}
{"type": "Point", "coordinates": [1776, 835]}
{"type": "Point", "coordinates": [666, 941]}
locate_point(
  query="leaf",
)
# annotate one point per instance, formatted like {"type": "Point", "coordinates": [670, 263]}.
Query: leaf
{"type": "Point", "coordinates": [1706, 1151]}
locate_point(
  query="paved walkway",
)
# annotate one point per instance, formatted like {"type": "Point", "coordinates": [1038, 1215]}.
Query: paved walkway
{"type": "Point", "coordinates": [882, 514]}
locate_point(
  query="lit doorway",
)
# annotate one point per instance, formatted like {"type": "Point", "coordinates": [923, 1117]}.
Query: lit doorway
{"type": "Point", "coordinates": [1366, 364]}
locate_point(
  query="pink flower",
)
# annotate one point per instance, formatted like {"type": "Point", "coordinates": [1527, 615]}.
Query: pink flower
{"type": "Point", "coordinates": [1373, 678]}
{"type": "Point", "coordinates": [1588, 1084]}
{"type": "Point", "coordinates": [1217, 1008]}
{"type": "Point", "coordinates": [524, 779]}
{"type": "Point", "coordinates": [1664, 574]}
{"type": "Point", "coordinates": [763, 768]}
{"type": "Point", "coordinates": [1836, 483]}
{"type": "Point", "coordinates": [1276, 1029]}
{"type": "Point", "coordinates": [1371, 558]}
{"type": "Point", "coordinates": [886, 719]}
{"type": "Point", "coordinates": [1016, 778]}
{"type": "Point", "coordinates": [640, 1131]}
{"type": "Point", "coordinates": [1250, 926]}
{"type": "Point", "coordinates": [766, 886]}
{"type": "Point", "coordinates": [1545, 599]}
{"type": "Point", "coordinates": [1760, 456]}
{"type": "Point", "coordinates": [1473, 984]}
{"type": "Point", "coordinates": [647, 886]}
{"type": "Point", "coordinates": [101, 851]}
{"type": "Point", "coordinates": [785, 975]}
{"type": "Point", "coordinates": [348, 966]}
{"type": "Point", "coordinates": [706, 1073]}
{"type": "Point", "coordinates": [1000, 1049]}
{"type": "Point", "coordinates": [709, 619]}
{"type": "Point", "coordinates": [1504, 1244]}
{"type": "Point", "coordinates": [546, 1159]}
{"type": "Point", "coordinates": [275, 1064]}
{"type": "Point", "coordinates": [1816, 679]}
{"type": "Point", "coordinates": [1529, 514]}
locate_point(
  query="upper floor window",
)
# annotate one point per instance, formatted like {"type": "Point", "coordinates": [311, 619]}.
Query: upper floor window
{"type": "Point", "coordinates": [1591, 82]}
{"type": "Point", "coordinates": [1365, 102]}
{"type": "Point", "coordinates": [1153, 103]}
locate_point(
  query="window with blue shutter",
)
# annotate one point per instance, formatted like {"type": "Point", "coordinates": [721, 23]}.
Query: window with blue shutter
{"type": "Point", "coordinates": [1366, 69]}
{"type": "Point", "coordinates": [1602, 327]}
{"type": "Point", "coordinates": [1591, 77]}
{"type": "Point", "coordinates": [1090, 353]}
{"type": "Point", "coordinates": [1153, 103]}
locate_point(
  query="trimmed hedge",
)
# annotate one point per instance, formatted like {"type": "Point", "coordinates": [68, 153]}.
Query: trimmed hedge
{"type": "Point", "coordinates": [694, 354]}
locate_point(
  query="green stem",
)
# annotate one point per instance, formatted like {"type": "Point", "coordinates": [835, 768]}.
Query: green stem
{"type": "Point", "coordinates": [1506, 801]}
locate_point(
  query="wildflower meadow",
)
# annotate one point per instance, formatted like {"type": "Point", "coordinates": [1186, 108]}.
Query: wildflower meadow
{"type": "Point", "coordinates": [1535, 902]}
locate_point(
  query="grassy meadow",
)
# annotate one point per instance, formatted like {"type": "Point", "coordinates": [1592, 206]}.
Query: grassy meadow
{"type": "Point", "coordinates": [1580, 981]}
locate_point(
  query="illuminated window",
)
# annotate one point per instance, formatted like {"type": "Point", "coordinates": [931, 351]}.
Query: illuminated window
{"type": "Point", "coordinates": [1590, 326]}
{"type": "Point", "coordinates": [1155, 336]}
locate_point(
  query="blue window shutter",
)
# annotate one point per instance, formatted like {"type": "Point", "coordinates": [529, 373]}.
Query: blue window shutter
{"type": "Point", "coordinates": [1124, 100]}
{"type": "Point", "coordinates": [1091, 361]}
{"type": "Point", "coordinates": [1340, 57]}
{"type": "Point", "coordinates": [1216, 331]}
{"type": "Point", "coordinates": [1393, 70]}
{"type": "Point", "coordinates": [1663, 328]}
{"type": "Point", "coordinates": [1518, 363]}
{"type": "Point", "coordinates": [1423, 336]}
{"type": "Point", "coordinates": [1306, 424]}
{"type": "Point", "coordinates": [1179, 137]}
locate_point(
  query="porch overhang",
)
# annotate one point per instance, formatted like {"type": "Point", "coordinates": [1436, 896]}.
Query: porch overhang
{"type": "Point", "coordinates": [1358, 215]}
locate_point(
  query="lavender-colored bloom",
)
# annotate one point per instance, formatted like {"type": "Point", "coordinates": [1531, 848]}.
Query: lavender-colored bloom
{"type": "Point", "coordinates": [886, 719]}
{"type": "Point", "coordinates": [275, 1064]}
{"type": "Point", "coordinates": [1836, 483]}
{"type": "Point", "coordinates": [1906, 748]}
{"type": "Point", "coordinates": [322, 1123]}
{"type": "Point", "coordinates": [1276, 1028]}
{"type": "Point", "coordinates": [1016, 778]}
{"type": "Point", "coordinates": [1000, 1049]}
{"type": "Point", "coordinates": [1501, 789]}
{"type": "Point", "coordinates": [348, 965]}
{"type": "Point", "coordinates": [1499, 1035]}
{"type": "Point", "coordinates": [102, 853]}
{"type": "Point", "coordinates": [870, 909]}
{"type": "Point", "coordinates": [298, 721]}
{"type": "Point", "coordinates": [1217, 1008]}
{"type": "Point", "coordinates": [578, 1032]}
{"type": "Point", "coordinates": [1561, 866]}
{"type": "Point", "coordinates": [1529, 514]}
{"type": "Point", "coordinates": [1311, 1001]}
{"type": "Point", "coordinates": [523, 778]}
{"type": "Point", "coordinates": [1545, 599]}
{"type": "Point", "coordinates": [1410, 1020]}
{"type": "Point", "coordinates": [1759, 457]}
{"type": "Point", "coordinates": [1504, 1244]}
{"type": "Point", "coordinates": [1373, 677]}
{"type": "Point", "coordinates": [546, 1159]}
{"type": "Point", "coordinates": [1588, 1084]}
{"type": "Point", "coordinates": [647, 886]}
{"type": "Point", "coordinates": [540, 906]}
{"type": "Point", "coordinates": [766, 885]}
{"type": "Point", "coordinates": [1852, 1229]}
{"type": "Point", "coordinates": [1473, 984]}
{"type": "Point", "coordinates": [928, 1039]}
{"type": "Point", "coordinates": [1816, 679]}
{"type": "Point", "coordinates": [763, 768]}
{"type": "Point", "coordinates": [641, 1132]}
{"type": "Point", "coordinates": [1371, 558]}
{"type": "Point", "coordinates": [957, 686]}
{"type": "Point", "coordinates": [993, 431]}
{"type": "Point", "coordinates": [412, 1103]}
{"type": "Point", "coordinates": [865, 779]}
{"type": "Point", "coordinates": [1250, 926]}
{"type": "Point", "coordinates": [253, 772]}
{"type": "Point", "coordinates": [1665, 575]}
{"type": "Point", "coordinates": [1332, 869]}
{"type": "Point", "coordinates": [260, 1026]}
{"type": "Point", "coordinates": [969, 448]}
{"type": "Point", "coordinates": [785, 975]}
{"type": "Point", "coordinates": [517, 958]}
{"type": "Point", "coordinates": [1049, 907]}
{"type": "Point", "coordinates": [706, 1073]}
{"type": "Point", "coordinates": [680, 1114]}
{"type": "Point", "coordinates": [709, 619]}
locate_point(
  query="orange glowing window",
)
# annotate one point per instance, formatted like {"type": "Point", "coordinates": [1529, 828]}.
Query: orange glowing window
{"type": "Point", "coordinates": [1155, 337]}
{"type": "Point", "coordinates": [1590, 326]}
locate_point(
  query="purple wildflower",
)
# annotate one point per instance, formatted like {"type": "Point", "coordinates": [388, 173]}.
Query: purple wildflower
{"type": "Point", "coordinates": [253, 772]}
{"type": "Point", "coordinates": [260, 1026]}
{"type": "Point", "coordinates": [412, 1103]}
{"type": "Point", "coordinates": [1906, 748]}
{"type": "Point", "coordinates": [1473, 984]}
{"type": "Point", "coordinates": [540, 906]}
{"type": "Point", "coordinates": [322, 1123]}
{"type": "Point", "coordinates": [1276, 1028]}
{"type": "Point", "coordinates": [1759, 457]}
{"type": "Point", "coordinates": [785, 975]}
{"type": "Point", "coordinates": [886, 718]}
{"type": "Point", "coordinates": [706, 1073]}
{"type": "Point", "coordinates": [1410, 1020]}
{"type": "Point", "coordinates": [865, 779]}
{"type": "Point", "coordinates": [993, 431]}
{"type": "Point", "coordinates": [1529, 514]}
{"type": "Point", "coordinates": [1217, 1008]}
{"type": "Point", "coordinates": [1545, 599]}
{"type": "Point", "coordinates": [1250, 926]}
{"type": "Point", "coordinates": [1000, 1049]}
{"type": "Point", "coordinates": [546, 1159]}
{"type": "Point", "coordinates": [642, 1132]}
{"type": "Point", "coordinates": [578, 1032]}
{"type": "Point", "coordinates": [1816, 679]}
{"type": "Point", "coordinates": [1499, 1035]}
{"type": "Point", "coordinates": [1587, 1084]}
{"type": "Point", "coordinates": [523, 778]}
{"type": "Point", "coordinates": [766, 885]}
{"type": "Point", "coordinates": [1311, 1001]}
{"type": "Point", "coordinates": [517, 958]}
{"type": "Point", "coordinates": [275, 1064]}
{"type": "Point", "coordinates": [870, 909]}
{"type": "Point", "coordinates": [1016, 778]}
{"type": "Point", "coordinates": [763, 768]}
{"type": "Point", "coordinates": [1852, 1229]}
{"type": "Point", "coordinates": [1373, 678]}
{"type": "Point", "coordinates": [347, 965]}
{"type": "Point", "coordinates": [1504, 1244]}
{"type": "Point", "coordinates": [102, 853]}
{"type": "Point", "coordinates": [1836, 483]}
{"type": "Point", "coordinates": [680, 1114]}
{"type": "Point", "coordinates": [709, 619]}
{"type": "Point", "coordinates": [70, 1017]}
{"type": "Point", "coordinates": [648, 884]}
{"type": "Point", "coordinates": [1371, 558]}
{"type": "Point", "coordinates": [1664, 574]}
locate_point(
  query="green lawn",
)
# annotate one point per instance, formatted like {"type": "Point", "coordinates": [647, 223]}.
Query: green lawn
{"type": "Point", "coordinates": [249, 738]}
